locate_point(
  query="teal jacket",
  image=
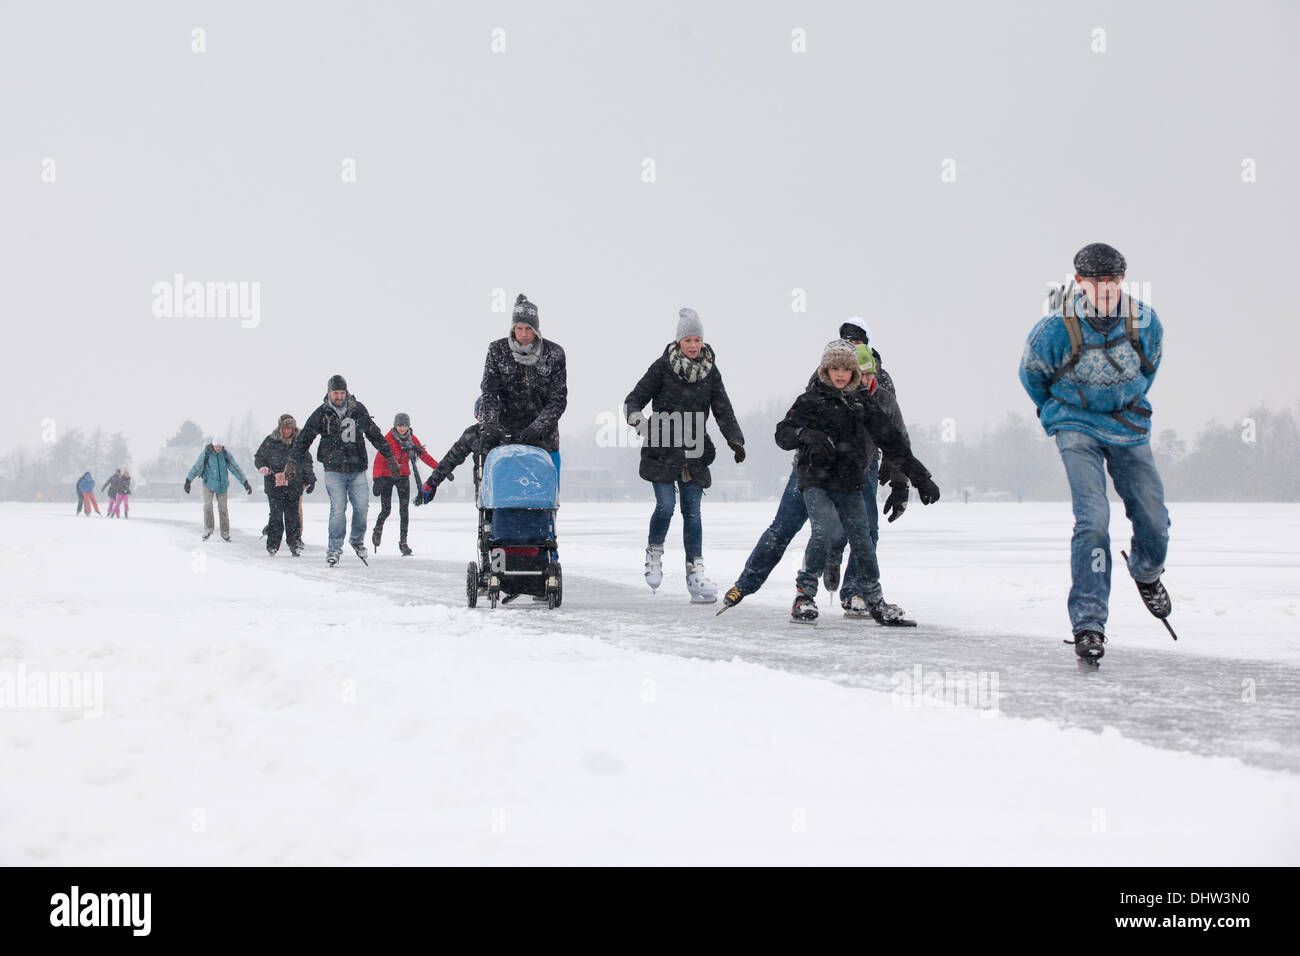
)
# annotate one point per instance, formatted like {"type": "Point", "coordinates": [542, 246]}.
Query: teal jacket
{"type": "Point", "coordinates": [216, 469]}
{"type": "Point", "coordinates": [1104, 394]}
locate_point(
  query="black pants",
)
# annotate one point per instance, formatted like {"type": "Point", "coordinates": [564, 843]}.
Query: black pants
{"type": "Point", "coordinates": [385, 487]}
{"type": "Point", "coordinates": [286, 519]}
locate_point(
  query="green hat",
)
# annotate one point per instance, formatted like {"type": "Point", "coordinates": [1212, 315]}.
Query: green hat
{"type": "Point", "coordinates": [866, 361]}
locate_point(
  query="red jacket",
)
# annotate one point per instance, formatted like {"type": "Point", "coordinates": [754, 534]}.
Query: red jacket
{"type": "Point", "coordinates": [403, 459]}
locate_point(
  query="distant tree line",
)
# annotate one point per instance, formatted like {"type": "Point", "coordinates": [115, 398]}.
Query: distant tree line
{"type": "Point", "coordinates": [1253, 458]}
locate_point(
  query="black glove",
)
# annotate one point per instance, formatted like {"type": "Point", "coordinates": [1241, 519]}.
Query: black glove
{"type": "Point", "coordinates": [886, 473]}
{"type": "Point", "coordinates": [739, 449]}
{"type": "Point", "coordinates": [489, 436]}
{"type": "Point", "coordinates": [896, 503]}
{"type": "Point", "coordinates": [927, 491]}
{"type": "Point", "coordinates": [816, 441]}
{"type": "Point", "coordinates": [187, 486]}
{"type": "Point", "coordinates": [309, 488]}
{"type": "Point", "coordinates": [532, 434]}
{"type": "Point", "coordinates": [248, 489]}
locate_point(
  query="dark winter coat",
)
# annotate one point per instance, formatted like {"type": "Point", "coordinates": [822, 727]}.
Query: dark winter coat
{"type": "Point", "coordinates": [664, 453]}
{"type": "Point", "coordinates": [850, 419]}
{"type": "Point", "coordinates": [380, 465]}
{"type": "Point", "coordinates": [341, 439]}
{"type": "Point", "coordinates": [466, 446]}
{"type": "Point", "coordinates": [277, 454]}
{"type": "Point", "coordinates": [516, 396]}
{"type": "Point", "coordinates": [124, 485]}
{"type": "Point", "coordinates": [110, 486]}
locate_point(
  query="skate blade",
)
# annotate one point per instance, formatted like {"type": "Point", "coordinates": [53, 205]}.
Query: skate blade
{"type": "Point", "coordinates": [904, 622]}
{"type": "Point", "coordinates": [803, 623]}
{"type": "Point", "coordinates": [1089, 665]}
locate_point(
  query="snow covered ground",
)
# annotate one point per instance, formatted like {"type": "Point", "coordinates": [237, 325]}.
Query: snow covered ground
{"type": "Point", "coordinates": [239, 708]}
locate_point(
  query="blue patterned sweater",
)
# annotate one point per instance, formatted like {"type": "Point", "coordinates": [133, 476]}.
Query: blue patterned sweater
{"type": "Point", "coordinates": [1098, 394]}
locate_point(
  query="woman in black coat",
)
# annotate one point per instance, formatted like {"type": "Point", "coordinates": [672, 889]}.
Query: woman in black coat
{"type": "Point", "coordinates": [683, 385]}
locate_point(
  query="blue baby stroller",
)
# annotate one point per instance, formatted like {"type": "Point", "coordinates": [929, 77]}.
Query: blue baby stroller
{"type": "Point", "coordinates": [517, 494]}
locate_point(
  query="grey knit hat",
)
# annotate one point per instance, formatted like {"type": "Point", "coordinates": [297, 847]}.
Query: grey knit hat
{"type": "Point", "coordinates": [1099, 259]}
{"type": "Point", "coordinates": [337, 383]}
{"type": "Point", "coordinates": [688, 324]}
{"type": "Point", "coordinates": [401, 418]}
{"type": "Point", "coordinates": [525, 312]}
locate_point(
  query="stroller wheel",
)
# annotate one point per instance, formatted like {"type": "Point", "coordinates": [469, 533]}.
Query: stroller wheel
{"type": "Point", "coordinates": [471, 584]}
{"type": "Point", "coordinates": [559, 586]}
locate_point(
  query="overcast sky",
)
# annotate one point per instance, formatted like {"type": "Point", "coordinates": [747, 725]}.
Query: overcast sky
{"type": "Point", "coordinates": [522, 170]}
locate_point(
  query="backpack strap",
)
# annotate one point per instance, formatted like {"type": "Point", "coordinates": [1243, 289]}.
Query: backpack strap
{"type": "Point", "coordinates": [1135, 338]}
{"type": "Point", "coordinates": [1070, 318]}
{"type": "Point", "coordinates": [1135, 409]}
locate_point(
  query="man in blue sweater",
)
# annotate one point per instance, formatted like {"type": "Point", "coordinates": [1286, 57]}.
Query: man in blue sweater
{"type": "Point", "coordinates": [1088, 366]}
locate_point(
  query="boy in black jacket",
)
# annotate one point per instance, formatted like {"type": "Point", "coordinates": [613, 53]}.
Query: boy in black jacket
{"type": "Point", "coordinates": [829, 425]}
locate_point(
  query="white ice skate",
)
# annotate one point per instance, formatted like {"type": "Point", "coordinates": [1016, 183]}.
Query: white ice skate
{"type": "Point", "coordinates": [703, 591]}
{"type": "Point", "coordinates": [654, 571]}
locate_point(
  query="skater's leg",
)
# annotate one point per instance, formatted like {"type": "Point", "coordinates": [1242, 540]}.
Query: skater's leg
{"type": "Point", "coordinates": [1138, 483]}
{"type": "Point", "coordinates": [126, 506]}
{"type": "Point", "coordinates": [208, 523]}
{"type": "Point", "coordinates": [853, 582]}
{"type": "Point", "coordinates": [359, 494]}
{"type": "Point", "coordinates": [821, 515]}
{"type": "Point", "coordinates": [292, 512]}
{"type": "Point", "coordinates": [385, 486]}
{"type": "Point", "coordinates": [791, 514]}
{"type": "Point", "coordinates": [1090, 544]}
{"type": "Point", "coordinates": [336, 483]}
{"type": "Point", "coordinates": [692, 526]}
{"type": "Point", "coordinates": [275, 528]}
{"type": "Point", "coordinates": [852, 510]}
{"type": "Point", "coordinates": [661, 518]}
{"type": "Point", "coordinates": [402, 488]}
{"type": "Point", "coordinates": [93, 503]}
{"type": "Point", "coordinates": [223, 509]}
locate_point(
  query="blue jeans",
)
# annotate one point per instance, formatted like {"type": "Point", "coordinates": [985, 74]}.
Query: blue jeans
{"type": "Point", "coordinates": [852, 584]}
{"type": "Point", "coordinates": [342, 486]}
{"type": "Point", "coordinates": [824, 508]}
{"type": "Point", "coordinates": [661, 518]}
{"type": "Point", "coordinates": [790, 517]}
{"type": "Point", "coordinates": [1138, 484]}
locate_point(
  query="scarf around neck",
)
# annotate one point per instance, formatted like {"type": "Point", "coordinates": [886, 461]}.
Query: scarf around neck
{"type": "Point", "coordinates": [688, 369]}
{"type": "Point", "coordinates": [526, 354]}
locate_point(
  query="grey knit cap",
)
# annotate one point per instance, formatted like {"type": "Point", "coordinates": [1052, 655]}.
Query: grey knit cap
{"type": "Point", "coordinates": [688, 324]}
{"type": "Point", "coordinates": [401, 418]}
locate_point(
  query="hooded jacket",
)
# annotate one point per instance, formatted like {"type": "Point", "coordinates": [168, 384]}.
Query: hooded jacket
{"type": "Point", "coordinates": [342, 447]}
{"type": "Point", "coordinates": [216, 468]}
{"type": "Point", "coordinates": [276, 454]}
{"type": "Point", "coordinates": [851, 420]}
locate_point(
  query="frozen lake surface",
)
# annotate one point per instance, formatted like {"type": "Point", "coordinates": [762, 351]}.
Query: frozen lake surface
{"type": "Point", "coordinates": [261, 709]}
